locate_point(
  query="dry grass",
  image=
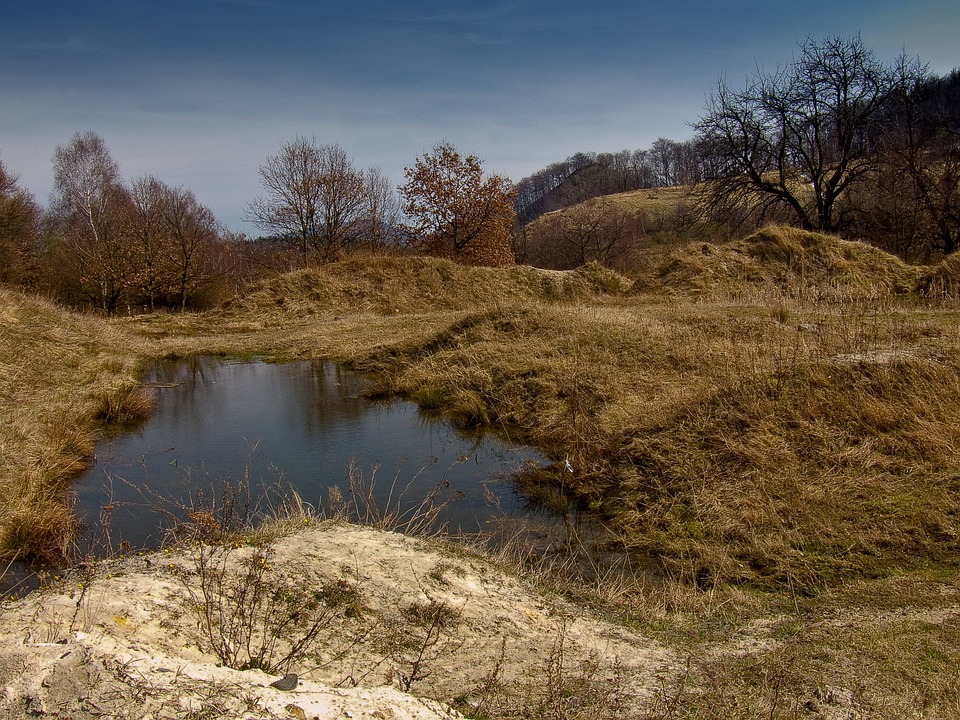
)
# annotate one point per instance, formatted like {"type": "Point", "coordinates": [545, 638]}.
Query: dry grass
{"type": "Point", "coordinates": [842, 657]}
{"type": "Point", "coordinates": [808, 267]}
{"type": "Point", "coordinates": [736, 439]}
{"type": "Point", "coordinates": [942, 282]}
{"type": "Point", "coordinates": [660, 206]}
{"type": "Point", "coordinates": [765, 423]}
{"type": "Point", "coordinates": [392, 285]}
{"type": "Point", "coordinates": [730, 445]}
{"type": "Point", "coordinates": [62, 377]}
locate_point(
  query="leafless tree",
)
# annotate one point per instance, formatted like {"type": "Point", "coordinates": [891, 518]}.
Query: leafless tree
{"type": "Point", "coordinates": [291, 208]}
{"type": "Point", "coordinates": [381, 216]}
{"type": "Point", "coordinates": [193, 237]}
{"type": "Point", "coordinates": [314, 198]}
{"type": "Point", "coordinates": [797, 139]}
{"type": "Point", "coordinates": [663, 160]}
{"type": "Point", "coordinates": [342, 199]}
{"type": "Point", "coordinates": [593, 231]}
{"type": "Point", "coordinates": [151, 274]}
{"type": "Point", "coordinates": [172, 242]}
{"type": "Point", "coordinates": [90, 204]}
{"type": "Point", "coordinates": [918, 181]}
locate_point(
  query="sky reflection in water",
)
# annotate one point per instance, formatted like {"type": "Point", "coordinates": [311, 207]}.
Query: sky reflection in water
{"type": "Point", "coordinates": [301, 424]}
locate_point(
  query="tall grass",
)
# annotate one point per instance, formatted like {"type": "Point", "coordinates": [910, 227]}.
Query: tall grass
{"type": "Point", "coordinates": [802, 444]}
{"type": "Point", "coordinates": [769, 427]}
{"type": "Point", "coordinates": [723, 416]}
{"type": "Point", "coordinates": [62, 377]}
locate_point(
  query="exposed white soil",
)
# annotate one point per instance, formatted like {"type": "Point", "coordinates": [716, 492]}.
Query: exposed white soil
{"type": "Point", "coordinates": [410, 627]}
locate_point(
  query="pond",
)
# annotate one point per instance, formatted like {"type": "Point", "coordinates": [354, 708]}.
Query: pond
{"type": "Point", "coordinates": [219, 424]}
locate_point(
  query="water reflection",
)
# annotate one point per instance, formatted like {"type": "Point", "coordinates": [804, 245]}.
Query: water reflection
{"type": "Point", "coordinates": [302, 424]}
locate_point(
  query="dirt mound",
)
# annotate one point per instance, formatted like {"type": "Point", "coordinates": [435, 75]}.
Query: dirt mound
{"type": "Point", "coordinates": [788, 260]}
{"type": "Point", "coordinates": [407, 628]}
{"type": "Point", "coordinates": [387, 285]}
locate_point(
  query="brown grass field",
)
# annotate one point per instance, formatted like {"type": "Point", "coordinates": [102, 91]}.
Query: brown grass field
{"type": "Point", "coordinates": [770, 426]}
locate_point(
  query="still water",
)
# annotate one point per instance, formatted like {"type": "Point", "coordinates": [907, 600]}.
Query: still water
{"type": "Point", "coordinates": [300, 425]}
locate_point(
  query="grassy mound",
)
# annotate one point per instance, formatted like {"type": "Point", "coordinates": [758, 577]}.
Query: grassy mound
{"type": "Point", "coordinates": [787, 260]}
{"type": "Point", "coordinates": [416, 284]}
{"type": "Point", "coordinates": [735, 442]}
{"type": "Point", "coordinates": [62, 375]}
{"type": "Point", "coordinates": [734, 446]}
{"type": "Point", "coordinates": [528, 368]}
{"type": "Point", "coordinates": [834, 470]}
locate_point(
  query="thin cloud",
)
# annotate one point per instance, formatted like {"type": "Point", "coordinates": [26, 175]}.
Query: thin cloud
{"type": "Point", "coordinates": [199, 93]}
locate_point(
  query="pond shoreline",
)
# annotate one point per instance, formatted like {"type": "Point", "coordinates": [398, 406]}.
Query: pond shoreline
{"type": "Point", "coordinates": [106, 490]}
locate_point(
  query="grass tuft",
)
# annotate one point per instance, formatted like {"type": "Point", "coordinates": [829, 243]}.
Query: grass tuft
{"type": "Point", "coordinates": [125, 407]}
{"type": "Point", "coordinates": [763, 424]}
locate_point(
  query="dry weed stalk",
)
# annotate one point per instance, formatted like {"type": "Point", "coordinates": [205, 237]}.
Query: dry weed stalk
{"type": "Point", "coordinates": [556, 689]}
{"type": "Point", "coordinates": [396, 512]}
{"type": "Point", "coordinates": [250, 614]}
{"type": "Point", "coordinates": [423, 634]}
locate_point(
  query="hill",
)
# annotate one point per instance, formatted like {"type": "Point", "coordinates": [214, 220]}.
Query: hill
{"type": "Point", "coordinates": [783, 260]}
{"type": "Point", "coordinates": [414, 284]}
{"type": "Point", "coordinates": [768, 428]}
{"type": "Point", "coordinates": [658, 206]}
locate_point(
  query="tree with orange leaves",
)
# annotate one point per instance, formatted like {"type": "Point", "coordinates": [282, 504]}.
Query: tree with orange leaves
{"type": "Point", "coordinates": [455, 211]}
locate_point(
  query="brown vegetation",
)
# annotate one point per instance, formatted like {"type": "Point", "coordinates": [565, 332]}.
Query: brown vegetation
{"type": "Point", "coordinates": [62, 376]}
{"type": "Point", "coordinates": [803, 265]}
{"type": "Point", "coordinates": [769, 425]}
{"type": "Point", "coordinates": [456, 211]}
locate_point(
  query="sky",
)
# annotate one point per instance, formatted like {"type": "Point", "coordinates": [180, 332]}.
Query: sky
{"type": "Point", "coordinates": [198, 93]}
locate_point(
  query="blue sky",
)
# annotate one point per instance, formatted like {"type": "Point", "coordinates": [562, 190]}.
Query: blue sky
{"type": "Point", "coordinates": [198, 93]}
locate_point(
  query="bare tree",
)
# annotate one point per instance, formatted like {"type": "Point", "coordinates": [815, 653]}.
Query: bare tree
{"type": "Point", "coordinates": [151, 276]}
{"type": "Point", "coordinates": [797, 139]}
{"type": "Point", "coordinates": [291, 208]}
{"type": "Point", "coordinates": [642, 169]}
{"type": "Point", "coordinates": [663, 156]}
{"type": "Point", "coordinates": [343, 200]}
{"type": "Point", "coordinates": [921, 157]}
{"type": "Point", "coordinates": [593, 231]}
{"type": "Point", "coordinates": [315, 198]}
{"type": "Point", "coordinates": [456, 211]}
{"type": "Point", "coordinates": [89, 204]}
{"type": "Point", "coordinates": [172, 242]}
{"type": "Point", "coordinates": [193, 237]}
{"type": "Point", "coordinates": [381, 216]}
